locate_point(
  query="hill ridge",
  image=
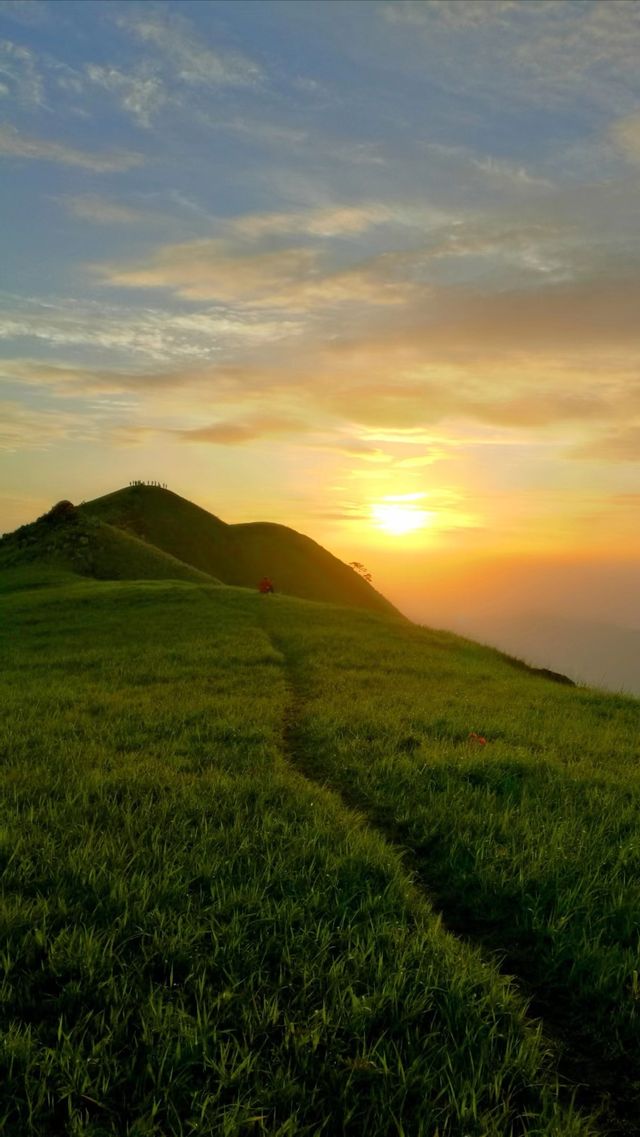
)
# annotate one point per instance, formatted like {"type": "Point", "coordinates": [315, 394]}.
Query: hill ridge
{"type": "Point", "coordinates": [236, 554]}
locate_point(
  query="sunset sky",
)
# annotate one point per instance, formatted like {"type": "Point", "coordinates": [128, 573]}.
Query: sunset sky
{"type": "Point", "coordinates": [367, 269]}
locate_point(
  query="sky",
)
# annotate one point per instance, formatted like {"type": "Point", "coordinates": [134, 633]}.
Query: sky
{"type": "Point", "coordinates": [367, 269]}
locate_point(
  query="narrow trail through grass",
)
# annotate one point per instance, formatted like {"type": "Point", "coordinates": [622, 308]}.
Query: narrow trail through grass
{"type": "Point", "coordinates": [594, 1100]}
{"type": "Point", "coordinates": [606, 1088]}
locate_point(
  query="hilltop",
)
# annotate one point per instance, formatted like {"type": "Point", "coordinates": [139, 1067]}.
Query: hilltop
{"type": "Point", "coordinates": [281, 867]}
{"type": "Point", "coordinates": [235, 554]}
{"type": "Point", "coordinates": [144, 531]}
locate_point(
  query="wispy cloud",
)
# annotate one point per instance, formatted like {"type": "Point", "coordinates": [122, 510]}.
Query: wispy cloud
{"type": "Point", "coordinates": [461, 15]}
{"type": "Point", "coordinates": [71, 379]}
{"type": "Point", "coordinates": [547, 52]}
{"type": "Point", "coordinates": [193, 62]}
{"type": "Point", "coordinates": [293, 277]}
{"type": "Point", "coordinates": [331, 221]}
{"type": "Point", "coordinates": [175, 64]}
{"type": "Point", "coordinates": [141, 94]}
{"type": "Point", "coordinates": [91, 207]}
{"type": "Point", "coordinates": [261, 261]}
{"type": "Point", "coordinates": [233, 433]}
{"type": "Point", "coordinates": [20, 77]}
{"type": "Point", "coordinates": [28, 428]}
{"type": "Point", "coordinates": [20, 146]}
{"type": "Point", "coordinates": [212, 270]}
{"type": "Point", "coordinates": [147, 334]}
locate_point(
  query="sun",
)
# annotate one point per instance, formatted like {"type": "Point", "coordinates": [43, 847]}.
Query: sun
{"type": "Point", "coordinates": [398, 516]}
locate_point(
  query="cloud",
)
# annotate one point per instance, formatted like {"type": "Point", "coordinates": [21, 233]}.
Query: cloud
{"type": "Point", "coordinates": [91, 207]}
{"type": "Point", "coordinates": [24, 428]}
{"type": "Point", "coordinates": [174, 65]}
{"type": "Point", "coordinates": [508, 249]}
{"type": "Point", "coordinates": [534, 409]}
{"type": "Point", "coordinates": [216, 269]}
{"type": "Point", "coordinates": [626, 135]}
{"type": "Point", "coordinates": [141, 94]}
{"type": "Point", "coordinates": [147, 334]}
{"type": "Point", "coordinates": [362, 451]}
{"type": "Point", "coordinates": [19, 75]}
{"type": "Point", "coordinates": [208, 384]}
{"type": "Point", "coordinates": [462, 14]}
{"type": "Point", "coordinates": [261, 261]}
{"type": "Point", "coordinates": [461, 324]}
{"type": "Point", "coordinates": [539, 362]}
{"type": "Point", "coordinates": [547, 54]}
{"type": "Point", "coordinates": [189, 59]}
{"type": "Point", "coordinates": [210, 269]}
{"type": "Point", "coordinates": [18, 145]}
{"type": "Point", "coordinates": [269, 134]}
{"type": "Point", "coordinates": [332, 221]}
{"type": "Point", "coordinates": [73, 380]}
{"type": "Point", "coordinates": [497, 169]}
{"type": "Point", "coordinates": [615, 446]}
{"type": "Point", "coordinates": [230, 433]}
{"type": "Point", "coordinates": [532, 360]}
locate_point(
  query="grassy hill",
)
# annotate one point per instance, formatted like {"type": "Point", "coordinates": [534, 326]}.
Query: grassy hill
{"type": "Point", "coordinates": [89, 547]}
{"type": "Point", "coordinates": [235, 554]}
{"type": "Point", "coordinates": [274, 867]}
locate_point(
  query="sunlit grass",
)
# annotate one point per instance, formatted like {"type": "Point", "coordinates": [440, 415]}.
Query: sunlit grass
{"type": "Point", "coordinates": [529, 842]}
{"type": "Point", "coordinates": [197, 939]}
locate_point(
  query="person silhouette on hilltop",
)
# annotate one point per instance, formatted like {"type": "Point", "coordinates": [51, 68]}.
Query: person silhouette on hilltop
{"type": "Point", "coordinates": [266, 586]}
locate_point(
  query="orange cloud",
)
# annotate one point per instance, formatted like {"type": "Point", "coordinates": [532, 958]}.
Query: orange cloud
{"type": "Point", "coordinates": [294, 277]}
{"type": "Point", "coordinates": [332, 221]}
{"type": "Point", "coordinates": [234, 433]}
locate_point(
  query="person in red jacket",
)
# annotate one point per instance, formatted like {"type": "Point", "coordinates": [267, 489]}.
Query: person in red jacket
{"type": "Point", "coordinates": [265, 586]}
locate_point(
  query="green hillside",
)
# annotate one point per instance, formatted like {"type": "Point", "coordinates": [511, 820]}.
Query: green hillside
{"type": "Point", "coordinates": [273, 867]}
{"type": "Point", "coordinates": [87, 546]}
{"type": "Point", "coordinates": [235, 554]}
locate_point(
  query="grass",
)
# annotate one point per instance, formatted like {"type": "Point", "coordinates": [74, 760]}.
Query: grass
{"type": "Point", "coordinates": [197, 938]}
{"type": "Point", "coordinates": [529, 843]}
{"type": "Point", "coordinates": [87, 546]}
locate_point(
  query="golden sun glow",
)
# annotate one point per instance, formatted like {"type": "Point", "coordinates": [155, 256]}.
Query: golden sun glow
{"type": "Point", "coordinates": [400, 515]}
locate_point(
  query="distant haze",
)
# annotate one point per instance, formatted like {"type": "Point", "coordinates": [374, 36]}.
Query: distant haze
{"type": "Point", "coordinates": [579, 617]}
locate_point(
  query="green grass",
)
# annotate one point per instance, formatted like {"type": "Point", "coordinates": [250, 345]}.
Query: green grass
{"type": "Point", "coordinates": [86, 546]}
{"type": "Point", "coordinates": [196, 938]}
{"type": "Point", "coordinates": [530, 843]}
